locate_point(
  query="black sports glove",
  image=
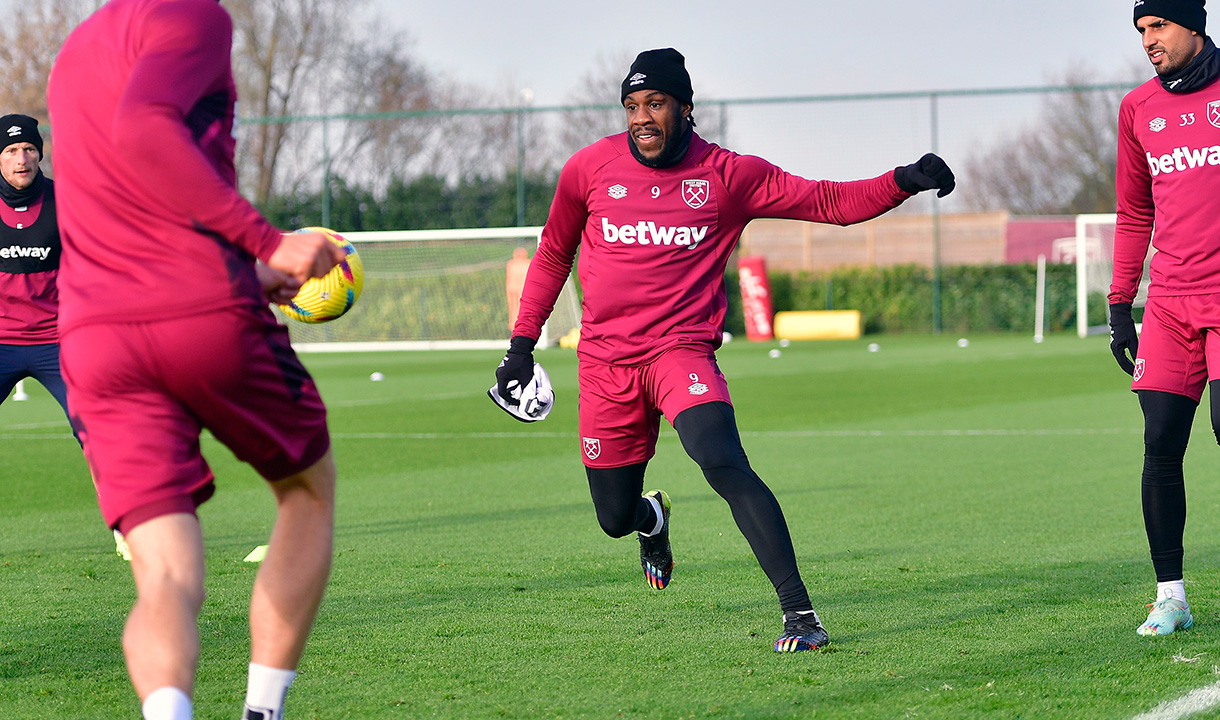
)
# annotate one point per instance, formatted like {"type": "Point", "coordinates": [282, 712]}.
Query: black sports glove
{"type": "Point", "coordinates": [1123, 337]}
{"type": "Point", "coordinates": [516, 369]}
{"type": "Point", "coordinates": [930, 173]}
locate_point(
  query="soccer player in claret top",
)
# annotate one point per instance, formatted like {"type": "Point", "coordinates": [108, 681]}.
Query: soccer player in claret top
{"type": "Point", "coordinates": [658, 210]}
{"type": "Point", "coordinates": [1169, 176]}
{"type": "Point", "coordinates": [29, 263]}
{"type": "Point", "coordinates": [165, 329]}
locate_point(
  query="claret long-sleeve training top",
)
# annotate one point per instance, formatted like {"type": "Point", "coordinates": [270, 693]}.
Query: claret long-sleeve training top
{"type": "Point", "coordinates": [1168, 173]}
{"type": "Point", "coordinates": [141, 102]}
{"type": "Point", "coordinates": [654, 242]}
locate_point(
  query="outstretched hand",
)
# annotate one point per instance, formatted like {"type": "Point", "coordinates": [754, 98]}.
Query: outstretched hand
{"type": "Point", "coordinates": [930, 172]}
{"type": "Point", "coordinates": [305, 255]}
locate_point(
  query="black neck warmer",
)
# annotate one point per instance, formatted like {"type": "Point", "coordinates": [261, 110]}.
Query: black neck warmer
{"type": "Point", "coordinates": [15, 198]}
{"type": "Point", "coordinates": [670, 156]}
{"type": "Point", "coordinates": [1198, 73]}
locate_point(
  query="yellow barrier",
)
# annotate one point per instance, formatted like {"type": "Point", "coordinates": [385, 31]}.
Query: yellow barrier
{"type": "Point", "coordinates": [818, 325]}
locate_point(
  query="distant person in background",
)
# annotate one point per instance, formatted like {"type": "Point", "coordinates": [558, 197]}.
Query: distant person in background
{"type": "Point", "coordinates": [655, 212]}
{"type": "Point", "coordinates": [29, 263]}
{"type": "Point", "coordinates": [1168, 176]}
{"type": "Point", "coordinates": [165, 331]}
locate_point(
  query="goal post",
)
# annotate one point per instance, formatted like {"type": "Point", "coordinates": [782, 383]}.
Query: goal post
{"type": "Point", "coordinates": [1094, 251]}
{"type": "Point", "coordinates": [1094, 265]}
{"type": "Point", "coordinates": [433, 290]}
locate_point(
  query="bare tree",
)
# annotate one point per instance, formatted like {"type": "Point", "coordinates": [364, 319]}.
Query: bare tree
{"type": "Point", "coordinates": [29, 41]}
{"type": "Point", "coordinates": [1067, 167]}
{"type": "Point", "coordinates": [598, 88]}
{"type": "Point", "coordinates": [295, 60]}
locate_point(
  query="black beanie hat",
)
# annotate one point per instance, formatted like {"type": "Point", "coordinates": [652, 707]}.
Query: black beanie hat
{"type": "Point", "coordinates": [663, 70]}
{"type": "Point", "coordinates": [1187, 13]}
{"type": "Point", "coordinates": [20, 128]}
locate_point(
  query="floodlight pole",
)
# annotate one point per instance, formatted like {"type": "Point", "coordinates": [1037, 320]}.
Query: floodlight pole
{"type": "Point", "coordinates": [325, 176]}
{"type": "Point", "coordinates": [527, 97]}
{"type": "Point", "coordinates": [936, 322]}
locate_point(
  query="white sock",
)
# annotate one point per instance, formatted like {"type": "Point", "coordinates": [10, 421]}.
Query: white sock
{"type": "Point", "coordinates": [660, 517]}
{"type": "Point", "coordinates": [266, 688]}
{"type": "Point", "coordinates": [1174, 588]}
{"type": "Point", "coordinates": [167, 703]}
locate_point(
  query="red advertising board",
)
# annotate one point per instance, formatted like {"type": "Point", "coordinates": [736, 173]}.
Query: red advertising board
{"type": "Point", "coordinates": [756, 297]}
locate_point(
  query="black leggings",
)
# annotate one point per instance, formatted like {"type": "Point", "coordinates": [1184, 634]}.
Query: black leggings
{"type": "Point", "coordinates": [1167, 421]}
{"type": "Point", "coordinates": [709, 435]}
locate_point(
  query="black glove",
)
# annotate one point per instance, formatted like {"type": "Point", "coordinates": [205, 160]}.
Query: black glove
{"type": "Point", "coordinates": [1123, 337]}
{"type": "Point", "coordinates": [930, 173]}
{"type": "Point", "coordinates": [516, 369]}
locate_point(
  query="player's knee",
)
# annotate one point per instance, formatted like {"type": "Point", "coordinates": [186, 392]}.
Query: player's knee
{"type": "Point", "coordinates": [615, 524]}
{"type": "Point", "coordinates": [170, 586]}
{"type": "Point", "coordinates": [712, 456]}
{"type": "Point", "coordinates": [1162, 471]}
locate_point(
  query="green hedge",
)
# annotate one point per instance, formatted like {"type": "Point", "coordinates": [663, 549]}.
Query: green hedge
{"type": "Point", "coordinates": [974, 298]}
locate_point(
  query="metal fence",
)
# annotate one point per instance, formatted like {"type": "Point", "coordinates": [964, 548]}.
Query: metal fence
{"type": "Point", "coordinates": [837, 137]}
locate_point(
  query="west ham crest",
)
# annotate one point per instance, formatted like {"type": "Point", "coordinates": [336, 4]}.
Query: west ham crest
{"type": "Point", "coordinates": [1213, 113]}
{"type": "Point", "coordinates": [1139, 364]}
{"type": "Point", "coordinates": [593, 447]}
{"type": "Point", "coordinates": [695, 192]}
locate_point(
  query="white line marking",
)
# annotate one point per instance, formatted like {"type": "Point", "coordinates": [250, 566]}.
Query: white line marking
{"type": "Point", "coordinates": [758, 434]}
{"type": "Point", "coordinates": [1193, 702]}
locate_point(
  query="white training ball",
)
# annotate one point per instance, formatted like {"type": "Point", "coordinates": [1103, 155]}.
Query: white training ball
{"type": "Point", "coordinates": [774, 353]}
{"type": "Point", "coordinates": [376, 377]}
{"type": "Point", "coordinates": [963, 342]}
{"type": "Point", "coordinates": [726, 338]}
{"type": "Point", "coordinates": [784, 342]}
{"type": "Point", "coordinates": [873, 347]}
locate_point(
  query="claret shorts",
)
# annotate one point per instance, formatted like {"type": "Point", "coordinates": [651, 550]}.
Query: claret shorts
{"type": "Point", "coordinates": [621, 406]}
{"type": "Point", "coordinates": [141, 393]}
{"type": "Point", "coordinates": [1179, 345]}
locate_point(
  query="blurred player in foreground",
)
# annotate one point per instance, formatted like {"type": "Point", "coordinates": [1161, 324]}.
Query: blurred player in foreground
{"type": "Point", "coordinates": [1167, 131]}
{"type": "Point", "coordinates": [658, 210]}
{"type": "Point", "coordinates": [165, 330]}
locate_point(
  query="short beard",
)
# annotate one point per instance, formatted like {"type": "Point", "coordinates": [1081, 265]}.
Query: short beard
{"type": "Point", "coordinates": [670, 155]}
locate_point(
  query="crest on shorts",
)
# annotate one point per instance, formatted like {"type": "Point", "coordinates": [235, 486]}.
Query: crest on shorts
{"type": "Point", "coordinates": [593, 447]}
{"type": "Point", "coordinates": [695, 192]}
{"type": "Point", "coordinates": [1213, 113]}
{"type": "Point", "coordinates": [1139, 370]}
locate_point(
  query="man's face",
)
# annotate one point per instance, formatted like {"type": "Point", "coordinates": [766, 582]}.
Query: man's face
{"type": "Point", "coordinates": [655, 121]}
{"type": "Point", "coordinates": [19, 164]}
{"type": "Point", "coordinates": [1169, 45]}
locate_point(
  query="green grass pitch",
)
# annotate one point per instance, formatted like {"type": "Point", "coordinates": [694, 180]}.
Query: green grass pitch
{"type": "Point", "coordinates": [967, 520]}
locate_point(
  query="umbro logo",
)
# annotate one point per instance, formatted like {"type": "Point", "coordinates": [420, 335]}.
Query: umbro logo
{"type": "Point", "coordinates": [618, 192]}
{"type": "Point", "coordinates": [14, 131]}
{"type": "Point", "coordinates": [1157, 124]}
{"type": "Point", "coordinates": [637, 79]}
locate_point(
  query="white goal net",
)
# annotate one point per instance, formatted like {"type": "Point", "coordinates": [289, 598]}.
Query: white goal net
{"type": "Point", "coordinates": [1094, 258]}
{"type": "Point", "coordinates": [434, 289]}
